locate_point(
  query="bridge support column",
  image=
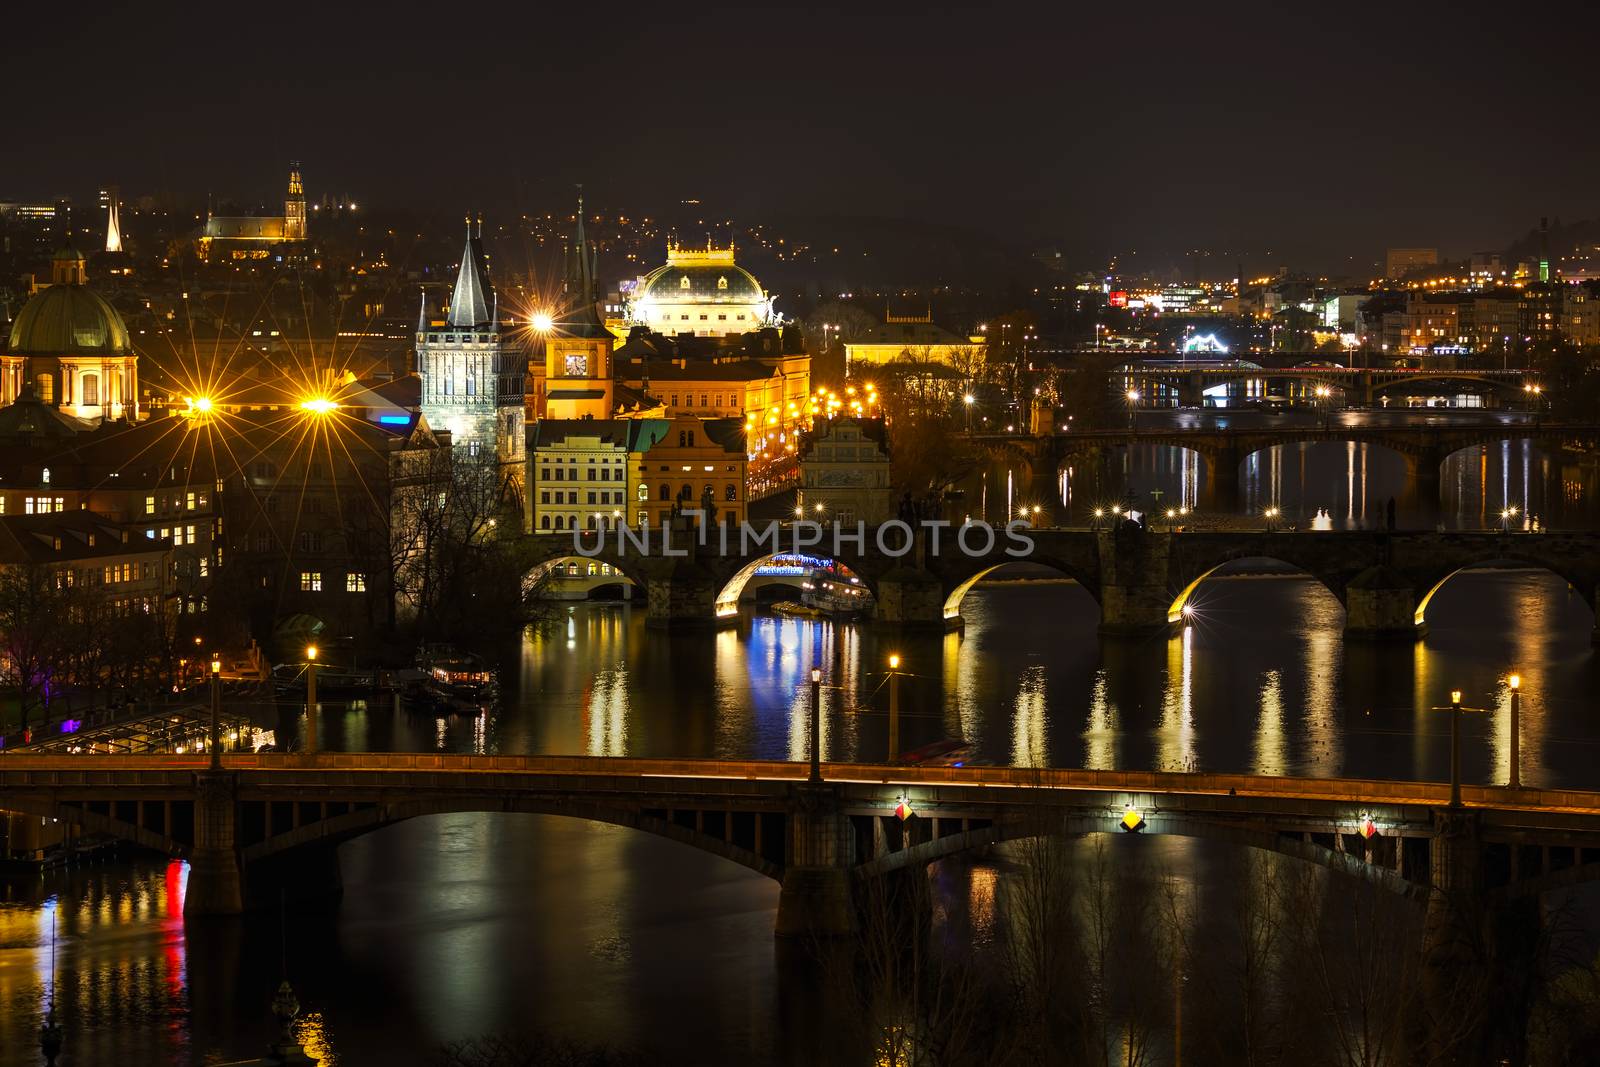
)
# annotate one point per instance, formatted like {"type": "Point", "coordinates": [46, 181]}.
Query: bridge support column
{"type": "Point", "coordinates": [1222, 481]}
{"type": "Point", "coordinates": [1423, 470]}
{"type": "Point", "coordinates": [1455, 970]}
{"type": "Point", "coordinates": [914, 600]}
{"type": "Point", "coordinates": [684, 597]}
{"type": "Point", "coordinates": [214, 884]}
{"type": "Point", "coordinates": [815, 899]}
{"type": "Point", "coordinates": [1133, 581]}
{"type": "Point", "coordinates": [1380, 605]}
{"type": "Point", "coordinates": [1192, 391]}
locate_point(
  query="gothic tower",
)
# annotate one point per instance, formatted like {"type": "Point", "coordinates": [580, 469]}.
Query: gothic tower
{"type": "Point", "coordinates": [294, 207]}
{"type": "Point", "coordinates": [472, 379]}
{"type": "Point", "coordinates": [577, 354]}
{"type": "Point", "coordinates": [113, 223]}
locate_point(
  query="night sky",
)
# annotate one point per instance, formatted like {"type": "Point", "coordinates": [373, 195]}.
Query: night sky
{"type": "Point", "coordinates": [1319, 134]}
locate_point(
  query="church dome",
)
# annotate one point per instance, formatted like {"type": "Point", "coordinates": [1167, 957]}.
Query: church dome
{"type": "Point", "coordinates": [66, 320]}
{"type": "Point", "coordinates": [693, 276]}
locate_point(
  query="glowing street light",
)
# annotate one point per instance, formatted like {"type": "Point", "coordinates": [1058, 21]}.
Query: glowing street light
{"type": "Point", "coordinates": [1514, 682]}
{"type": "Point", "coordinates": [319, 405]}
{"type": "Point", "coordinates": [816, 724]}
{"type": "Point", "coordinates": [311, 699]}
{"type": "Point", "coordinates": [894, 706]}
{"type": "Point", "coordinates": [542, 322]}
{"type": "Point", "coordinates": [1507, 513]}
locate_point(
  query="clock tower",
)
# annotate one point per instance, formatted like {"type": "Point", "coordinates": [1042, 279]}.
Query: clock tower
{"type": "Point", "coordinates": [577, 351]}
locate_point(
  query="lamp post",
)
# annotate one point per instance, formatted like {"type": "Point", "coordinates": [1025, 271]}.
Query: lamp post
{"type": "Point", "coordinates": [894, 706]}
{"type": "Point", "coordinates": [1133, 399]}
{"type": "Point", "coordinates": [1455, 709]}
{"type": "Point", "coordinates": [311, 699]}
{"type": "Point", "coordinates": [816, 725]}
{"type": "Point", "coordinates": [216, 712]}
{"type": "Point", "coordinates": [1515, 778]}
{"type": "Point", "coordinates": [968, 400]}
{"type": "Point", "coordinates": [1455, 748]}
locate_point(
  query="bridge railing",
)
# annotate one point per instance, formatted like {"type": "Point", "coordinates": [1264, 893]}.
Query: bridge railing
{"type": "Point", "coordinates": [67, 769]}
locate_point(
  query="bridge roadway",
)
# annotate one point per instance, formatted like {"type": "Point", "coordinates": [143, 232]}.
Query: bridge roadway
{"type": "Point", "coordinates": [267, 820]}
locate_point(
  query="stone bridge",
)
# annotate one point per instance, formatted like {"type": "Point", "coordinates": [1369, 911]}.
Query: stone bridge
{"type": "Point", "coordinates": [1424, 448]}
{"type": "Point", "coordinates": [268, 820]}
{"type": "Point", "coordinates": [1361, 383]}
{"type": "Point", "coordinates": [1141, 579]}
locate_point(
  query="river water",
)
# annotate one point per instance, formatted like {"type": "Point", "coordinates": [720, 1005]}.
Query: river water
{"type": "Point", "coordinates": [460, 925]}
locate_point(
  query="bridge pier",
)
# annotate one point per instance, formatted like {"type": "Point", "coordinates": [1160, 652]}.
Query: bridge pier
{"type": "Point", "coordinates": [1454, 963]}
{"type": "Point", "coordinates": [913, 599]}
{"type": "Point", "coordinates": [1422, 470]}
{"type": "Point", "coordinates": [684, 597]}
{"type": "Point", "coordinates": [1133, 581]}
{"type": "Point", "coordinates": [1222, 492]}
{"type": "Point", "coordinates": [215, 887]}
{"type": "Point", "coordinates": [1380, 605]}
{"type": "Point", "coordinates": [815, 899]}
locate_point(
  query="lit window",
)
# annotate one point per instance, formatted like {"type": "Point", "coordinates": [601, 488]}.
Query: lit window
{"type": "Point", "coordinates": [311, 581]}
{"type": "Point", "coordinates": [149, 505]}
{"type": "Point", "coordinates": [355, 583]}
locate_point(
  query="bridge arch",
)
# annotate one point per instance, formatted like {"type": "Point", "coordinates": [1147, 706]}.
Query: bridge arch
{"type": "Point", "coordinates": [1294, 847]}
{"type": "Point", "coordinates": [1180, 606]}
{"type": "Point", "coordinates": [589, 574]}
{"type": "Point", "coordinates": [958, 592]}
{"type": "Point", "coordinates": [727, 602]}
{"type": "Point", "coordinates": [739, 844]}
{"type": "Point", "coordinates": [1583, 584]}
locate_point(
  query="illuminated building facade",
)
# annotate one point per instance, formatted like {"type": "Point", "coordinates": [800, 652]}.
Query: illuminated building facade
{"type": "Point", "coordinates": [578, 471]}
{"type": "Point", "coordinates": [844, 473]}
{"type": "Point", "coordinates": [692, 465]}
{"type": "Point", "coordinates": [254, 236]}
{"type": "Point", "coordinates": [700, 291]}
{"type": "Point", "coordinates": [908, 337]}
{"type": "Point", "coordinates": [72, 347]}
{"type": "Point", "coordinates": [472, 377]}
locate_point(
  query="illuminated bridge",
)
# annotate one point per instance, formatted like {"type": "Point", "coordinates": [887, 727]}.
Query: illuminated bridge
{"type": "Point", "coordinates": [1424, 448]}
{"type": "Point", "coordinates": [1190, 381]}
{"type": "Point", "coordinates": [271, 820]}
{"type": "Point", "coordinates": [1140, 579]}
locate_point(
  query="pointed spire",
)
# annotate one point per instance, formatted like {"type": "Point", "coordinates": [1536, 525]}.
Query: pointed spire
{"type": "Point", "coordinates": [580, 284]}
{"type": "Point", "coordinates": [422, 314]}
{"type": "Point", "coordinates": [469, 304]}
{"type": "Point", "coordinates": [113, 226]}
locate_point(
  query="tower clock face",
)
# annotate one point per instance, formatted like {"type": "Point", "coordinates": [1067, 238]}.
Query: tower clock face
{"type": "Point", "coordinates": [577, 366]}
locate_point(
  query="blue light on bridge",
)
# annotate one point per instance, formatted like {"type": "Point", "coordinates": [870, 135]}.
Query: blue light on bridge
{"type": "Point", "coordinates": [395, 420]}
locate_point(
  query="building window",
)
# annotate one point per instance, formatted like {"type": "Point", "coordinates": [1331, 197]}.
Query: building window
{"type": "Point", "coordinates": [544, 522]}
{"type": "Point", "coordinates": [149, 505]}
{"type": "Point", "coordinates": [310, 541]}
{"type": "Point", "coordinates": [730, 493]}
{"type": "Point", "coordinates": [472, 446]}
{"type": "Point", "coordinates": [189, 501]}
{"type": "Point", "coordinates": [355, 582]}
{"type": "Point", "coordinates": [311, 581]}
{"type": "Point", "coordinates": [666, 491]}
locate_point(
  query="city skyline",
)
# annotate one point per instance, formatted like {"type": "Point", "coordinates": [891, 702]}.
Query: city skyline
{"type": "Point", "coordinates": [1249, 134]}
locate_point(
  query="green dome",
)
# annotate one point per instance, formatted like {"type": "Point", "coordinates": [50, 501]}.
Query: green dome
{"type": "Point", "coordinates": [66, 320]}
{"type": "Point", "coordinates": [722, 283]}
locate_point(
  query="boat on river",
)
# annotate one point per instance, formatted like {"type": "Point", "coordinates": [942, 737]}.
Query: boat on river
{"type": "Point", "coordinates": [454, 681]}
{"type": "Point", "coordinates": [834, 594]}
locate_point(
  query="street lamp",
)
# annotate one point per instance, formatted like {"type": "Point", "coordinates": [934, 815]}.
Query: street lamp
{"type": "Point", "coordinates": [1133, 399]}
{"type": "Point", "coordinates": [1271, 515]}
{"type": "Point", "coordinates": [1455, 709]}
{"type": "Point", "coordinates": [816, 725]}
{"type": "Point", "coordinates": [968, 399]}
{"type": "Point", "coordinates": [1098, 514]}
{"type": "Point", "coordinates": [311, 699]}
{"type": "Point", "coordinates": [1515, 779]}
{"type": "Point", "coordinates": [894, 706]}
{"type": "Point", "coordinates": [216, 712]}
{"type": "Point", "coordinates": [1507, 513]}
{"type": "Point", "coordinates": [542, 322]}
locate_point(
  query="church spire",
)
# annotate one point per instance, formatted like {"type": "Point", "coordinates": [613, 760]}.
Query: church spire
{"type": "Point", "coordinates": [422, 313]}
{"type": "Point", "coordinates": [469, 304]}
{"type": "Point", "coordinates": [113, 225]}
{"type": "Point", "coordinates": [581, 263]}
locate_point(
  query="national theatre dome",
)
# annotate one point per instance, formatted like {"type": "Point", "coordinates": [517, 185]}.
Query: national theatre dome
{"type": "Point", "coordinates": [700, 291]}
